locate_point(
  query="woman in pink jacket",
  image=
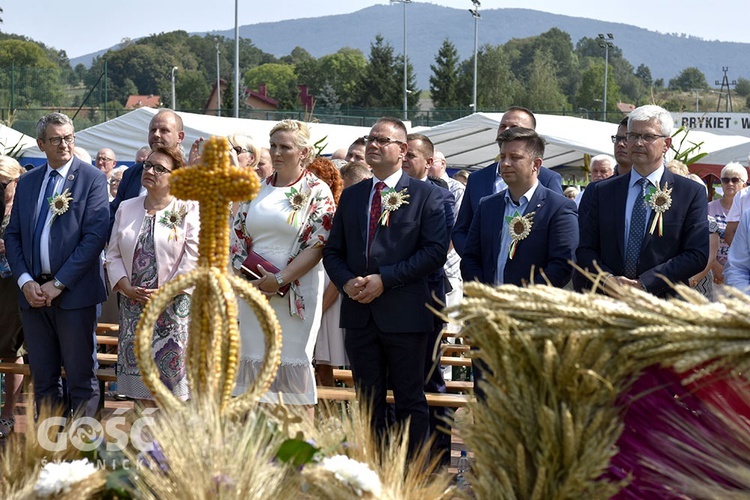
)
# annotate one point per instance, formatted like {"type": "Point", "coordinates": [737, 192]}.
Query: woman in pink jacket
{"type": "Point", "coordinates": [154, 239]}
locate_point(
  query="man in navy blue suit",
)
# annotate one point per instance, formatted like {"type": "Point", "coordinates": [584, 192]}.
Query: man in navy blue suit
{"type": "Point", "coordinates": [489, 180]}
{"type": "Point", "coordinates": [165, 129]}
{"type": "Point", "coordinates": [379, 255]}
{"type": "Point", "coordinates": [496, 252]}
{"type": "Point", "coordinates": [649, 227]}
{"type": "Point", "coordinates": [57, 231]}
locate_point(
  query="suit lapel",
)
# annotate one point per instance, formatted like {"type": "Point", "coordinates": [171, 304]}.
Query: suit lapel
{"type": "Point", "coordinates": [666, 178]}
{"type": "Point", "coordinates": [619, 200]}
{"type": "Point", "coordinates": [364, 215]}
{"type": "Point", "coordinates": [497, 227]}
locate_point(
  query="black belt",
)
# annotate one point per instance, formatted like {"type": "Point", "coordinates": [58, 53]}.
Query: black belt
{"type": "Point", "coordinates": [44, 278]}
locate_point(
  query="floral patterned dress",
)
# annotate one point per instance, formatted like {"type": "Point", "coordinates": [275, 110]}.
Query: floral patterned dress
{"type": "Point", "coordinates": [275, 230]}
{"type": "Point", "coordinates": [170, 332]}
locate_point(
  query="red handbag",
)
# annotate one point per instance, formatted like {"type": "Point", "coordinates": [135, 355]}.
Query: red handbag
{"type": "Point", "coordinates": [250, 269]}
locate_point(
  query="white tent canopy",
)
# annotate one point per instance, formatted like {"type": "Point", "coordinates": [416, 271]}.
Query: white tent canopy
{"type": "Point", "coordinates": [470, 141]}
{"type": "Point", "coordinates": [739, 153]}
{"type": "Point", "coordinates": [13, 140]}
{"type": "Point", "coordinates": [129, 132]}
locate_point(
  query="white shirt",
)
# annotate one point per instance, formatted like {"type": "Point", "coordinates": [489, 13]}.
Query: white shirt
{"type": "Point", "coordinates": [740, 204]}
{"type": "Point", "coordinates": [390, 182]}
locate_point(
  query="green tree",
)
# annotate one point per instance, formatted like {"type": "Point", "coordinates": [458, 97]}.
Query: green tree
{"type": "Point", "coordinates": [412, 95]}
{"type": "Point", "coordinates": [191, 90]}
{"type": "Point", "coordinates": [644, 74]}
{"type": "Point", "coordinates": [689, 78]}
{"type": "Point", "coordinates": [743, 87]}
{"type": "Point", "coordinates": [497, 87]}
{"type": "Point", "coordinates": [379, 86]}
{"type": "Point", "coordinates": [444, 79]}
{"type": "Point", "coordinates": [543, 91]}
{"type": "Point", "coordinates": [591, 90]}
{"type": "Point", "coordinates": [343, 71]}
{"type": "Point", "coordinates": [280, 81]}
{"type": "Point", "coordinates": [327, 100]}
{"type": "Point", "coordinates": [35, 78]}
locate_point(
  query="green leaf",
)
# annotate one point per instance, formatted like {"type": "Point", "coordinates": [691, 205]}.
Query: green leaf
{"type": "Point", "coordinates": [296, 452]}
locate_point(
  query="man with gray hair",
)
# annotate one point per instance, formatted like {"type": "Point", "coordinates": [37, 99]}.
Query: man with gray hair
{"type": "Point", "coordinates": [438, 169]}
{"type": "Point", "coordinates": [602, 167]}
{"type": "Point", "coordinates": [649, 228]}
{"type": "Point", "coordinates": [57, 230]}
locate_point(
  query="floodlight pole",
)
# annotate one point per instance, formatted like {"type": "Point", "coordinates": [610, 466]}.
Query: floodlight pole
{"type": "Point", "coordinates": [236, 59]}
{"type": "Point", "coordinates": [606, 43]}
{"type": "Point", "coordinates": [218, 80]}
{"type": "Point", "coordinates": [406, 92]}
{"type": "Point", "coordinates": [475, 14]}
{"type": "Point", "coordinates": [174, 96]}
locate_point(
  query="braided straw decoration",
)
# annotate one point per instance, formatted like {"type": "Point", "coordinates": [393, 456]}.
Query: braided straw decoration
{"type": "Point", "coordinates": [214, 340]}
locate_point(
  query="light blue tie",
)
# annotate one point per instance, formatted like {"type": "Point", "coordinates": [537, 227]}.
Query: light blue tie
{"type": "Point", "coordinates": [40, 220]}
{"type": "Point", "coordinates": [637, 229]}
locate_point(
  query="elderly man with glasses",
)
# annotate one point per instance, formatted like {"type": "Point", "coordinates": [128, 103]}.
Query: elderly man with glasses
{"type": "Point", "coordinates": [649, 228]}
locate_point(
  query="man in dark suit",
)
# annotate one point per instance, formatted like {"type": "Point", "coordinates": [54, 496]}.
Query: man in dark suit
{"type": "Point", "coordinates": [419, 158]}
{"type": "Point", "coordinates": [489, 180]}
{"type": "Point", "coordinates": [490, 255]}
{"type": "Point", "coordinates": [56, 234]}
{"type": "Point", "coordinates": [622, 232]}
{"type": "Point", "coordinates": [379, 254]}
{"type": "Point", "coordinates": [165, 129]}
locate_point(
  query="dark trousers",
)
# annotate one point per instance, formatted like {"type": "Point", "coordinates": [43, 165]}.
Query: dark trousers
{"type": "Point", "coordinates": [434, 382]}
{"type": "Point", "coordinates": [58, 338]}
{"type": "Point", "coordinates": [381, 359]}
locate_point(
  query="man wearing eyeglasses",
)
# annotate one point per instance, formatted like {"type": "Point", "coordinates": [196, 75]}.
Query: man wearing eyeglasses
{"type": "Point", "coordinates": [636, 230]}
{"type": "Point", "coordinates": [489, 180]}
{"type": "Point", "coordinates": [57, 231]}
{"type": "Point", "coordinates": [106, 161]}
{"type": "Point", "coordinates": [388, 235]}
{"type": "Point", "coordinates": [165, 129]}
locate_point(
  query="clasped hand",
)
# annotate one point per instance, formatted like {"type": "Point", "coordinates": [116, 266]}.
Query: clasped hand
{"type": "Point", "coordinates": [40, 295]}
{"type": "Point", "coordinates": [364, 290]}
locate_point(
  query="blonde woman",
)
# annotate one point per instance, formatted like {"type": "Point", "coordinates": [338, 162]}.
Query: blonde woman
{"type": "Point", "coordinates": [11, 333]}
{"type": "Point", "coordinates": [287, 224]}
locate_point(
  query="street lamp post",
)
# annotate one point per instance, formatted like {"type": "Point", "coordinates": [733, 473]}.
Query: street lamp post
{"type": "Point", "coordinates": [475, 14]}
{"type": "Point", "coordinates": [174, 98]}
{"type": "Point", "coordinates": [218, 81]}
{"type": "Point", "coordinates": [236, 59]}
{"type": "Point", "coordinates": [406, 82]}
{"type": "Point", "coordinates": [606, 44]}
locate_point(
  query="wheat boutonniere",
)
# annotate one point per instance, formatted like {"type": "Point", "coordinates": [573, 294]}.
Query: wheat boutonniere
{"type": "Point", "coordinates": [172, 219]}
{"type": "Point", "coordinates": [519, 227]}
{"type": "Point", "coordinates": [392, 200]}
{"type": "Point", "coordinates": [660, 200]}
{"type": "Point", "coordinates": [59, 204]}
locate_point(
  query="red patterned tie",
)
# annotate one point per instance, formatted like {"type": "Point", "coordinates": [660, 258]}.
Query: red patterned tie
{"type": "Point", "coordinates": [375, 208]}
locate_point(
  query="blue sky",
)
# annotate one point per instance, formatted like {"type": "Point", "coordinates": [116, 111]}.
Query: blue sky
{"type": "Point", "coordinates": [83, 26]}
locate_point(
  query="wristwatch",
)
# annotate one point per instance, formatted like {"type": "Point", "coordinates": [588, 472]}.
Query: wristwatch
{"type": "Point", "coordinates": [57, 284]}
{"type": "Point", "coordinates": [279, 279]}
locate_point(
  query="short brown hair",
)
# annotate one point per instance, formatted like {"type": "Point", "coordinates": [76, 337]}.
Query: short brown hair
{"type": "Point", "coordinates": [534, 142]}
{"type": "Point", "coordinates": [174, 154]}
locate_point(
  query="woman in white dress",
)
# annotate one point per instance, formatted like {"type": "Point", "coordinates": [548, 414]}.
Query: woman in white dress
{"type": "Point", "coordinates": [287, 224]}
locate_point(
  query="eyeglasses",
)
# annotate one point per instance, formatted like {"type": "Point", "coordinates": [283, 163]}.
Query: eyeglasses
{"type": "Point", "coordinates": [104, 158]}
{"type": "Point", "coordinates": [381, 141]}
{"type": "Point", "coordinates": [239, 150]}
{"type": "Point", "coordinates": [646, 138]}
{"type": "Point", "coordinates": [158, 169]}
{"type": "Point", "coordinates": [733, 180]}
{"type": "Point", "coordinates": [616, 139]}
{"type": "Point", "coordinates": [56, 141]}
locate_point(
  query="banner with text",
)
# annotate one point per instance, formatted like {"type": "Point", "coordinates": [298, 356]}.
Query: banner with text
{"type": "Point", "coordinates": [717, 123]}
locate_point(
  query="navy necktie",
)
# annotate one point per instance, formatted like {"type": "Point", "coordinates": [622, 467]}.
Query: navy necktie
{"type": "Point", "coordinates": [637, 230]}
{"type": "Point", "coordinates": [40, 220]}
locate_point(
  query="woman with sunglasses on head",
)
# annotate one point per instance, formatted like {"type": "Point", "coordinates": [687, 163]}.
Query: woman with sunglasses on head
{"type": "Point", "coordinates": [11, 333]}
{"type": "Point", "coordinates": [287, 225]}
{"type": "Point", "coordinates": [154, 239]}
{"type": "Point", "coordinates": [733, 179]}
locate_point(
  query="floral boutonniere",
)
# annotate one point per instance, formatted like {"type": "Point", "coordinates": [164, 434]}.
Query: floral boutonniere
{"type": "Point", "coordinates": [172, 219]}
{"type": "Point", "coordinates": [392, 201]}
{"type": "Point", "coordinates": [519, 227]}
{"type": "Point", "coordinates": [659, 200]}
{"type": "Point", "coordinates": [297, 200]}
{"type": "Point", "coordinates": [59, 204]}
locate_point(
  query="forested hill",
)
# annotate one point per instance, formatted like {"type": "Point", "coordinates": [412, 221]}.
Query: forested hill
{"type": "Point", "coordinates": [428, 25]}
